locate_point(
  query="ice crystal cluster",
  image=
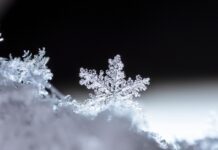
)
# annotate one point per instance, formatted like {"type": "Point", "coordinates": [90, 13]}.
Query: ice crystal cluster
{"type": "Point", "coordinates": [36, 116]}
{"type": "Point", "coordinates": [26, 70]}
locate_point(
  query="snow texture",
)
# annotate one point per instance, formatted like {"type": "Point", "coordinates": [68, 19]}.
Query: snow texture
{"type": "Point", "coordinates": [109, 119]}
{"type": "Point", "coordinates": [27, 122]}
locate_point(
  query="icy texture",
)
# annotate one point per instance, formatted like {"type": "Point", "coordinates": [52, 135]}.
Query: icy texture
{"type": "Point", "coordinates": [28, 123]}
{"type": "Point", "coordinates": [27, 70]}
{"type": "Point", "coordinates": [130, 110]}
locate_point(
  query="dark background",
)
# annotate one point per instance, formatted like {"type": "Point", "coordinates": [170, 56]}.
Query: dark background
{"type": "Point", "coordinates": [156, 39]}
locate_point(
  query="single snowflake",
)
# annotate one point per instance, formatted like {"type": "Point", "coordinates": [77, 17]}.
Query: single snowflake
{"type": "Point", "coordinates": [111, 84]}
{"type": "Point", "coordinates": [113, 92]}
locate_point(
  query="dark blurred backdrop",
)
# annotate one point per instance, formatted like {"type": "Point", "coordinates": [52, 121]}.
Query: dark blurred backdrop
{"type": "Point", "coordinates": [156, 39]}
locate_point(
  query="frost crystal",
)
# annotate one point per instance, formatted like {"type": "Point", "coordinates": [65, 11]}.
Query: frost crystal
{"type": "Point", "coordinates": [111, 84]}
{"type": "Point", "coordinates": [27, 70]}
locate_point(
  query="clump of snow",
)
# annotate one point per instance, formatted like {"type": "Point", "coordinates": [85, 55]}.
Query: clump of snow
{"type": "Point", "coordinates": [28, 122]}
{"type": "Point", "coordinates": [27, 70]}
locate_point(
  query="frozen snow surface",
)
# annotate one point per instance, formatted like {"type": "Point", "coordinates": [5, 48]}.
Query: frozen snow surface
{"type": "Point", "coordinates": [35, 116]}
{"type": "Point", "coordinates": [29, 123]}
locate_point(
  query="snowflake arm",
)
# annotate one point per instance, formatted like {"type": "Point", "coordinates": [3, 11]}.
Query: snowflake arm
{"type": "Point", "coordinates": [93, 81]}
{"type": "Point", "coordinates": [132, 88]}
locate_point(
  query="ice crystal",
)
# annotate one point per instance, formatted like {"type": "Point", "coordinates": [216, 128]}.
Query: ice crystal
{"type": "Point", "coordinates": [111, 84]}
{"type": "Point", "coordinates": [27, 70]}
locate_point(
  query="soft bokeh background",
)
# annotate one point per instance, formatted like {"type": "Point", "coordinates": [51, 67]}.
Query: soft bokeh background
{"type": "Point", "coordinates": [174, 43]}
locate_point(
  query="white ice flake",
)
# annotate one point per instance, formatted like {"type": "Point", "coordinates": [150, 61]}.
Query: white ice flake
{"type": "Point", "coordinates": [112, 84]}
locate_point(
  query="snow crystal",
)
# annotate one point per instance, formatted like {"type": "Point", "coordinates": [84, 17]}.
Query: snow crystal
{"type": "Point", "coordinates": [112, 84]}
{"type": "Point", "coordinates": [110, 88]}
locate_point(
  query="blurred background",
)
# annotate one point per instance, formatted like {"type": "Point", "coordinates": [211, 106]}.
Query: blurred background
{"type": "Point", "coordinates": [173, 43]}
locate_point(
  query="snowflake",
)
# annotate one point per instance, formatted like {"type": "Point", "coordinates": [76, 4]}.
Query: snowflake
{"type": "Point", "coordinates": [27, 70]}
{"type": "Point", "coordinates": [112, 92]}
{"type": "Point", "coordinates": [111, 84]}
